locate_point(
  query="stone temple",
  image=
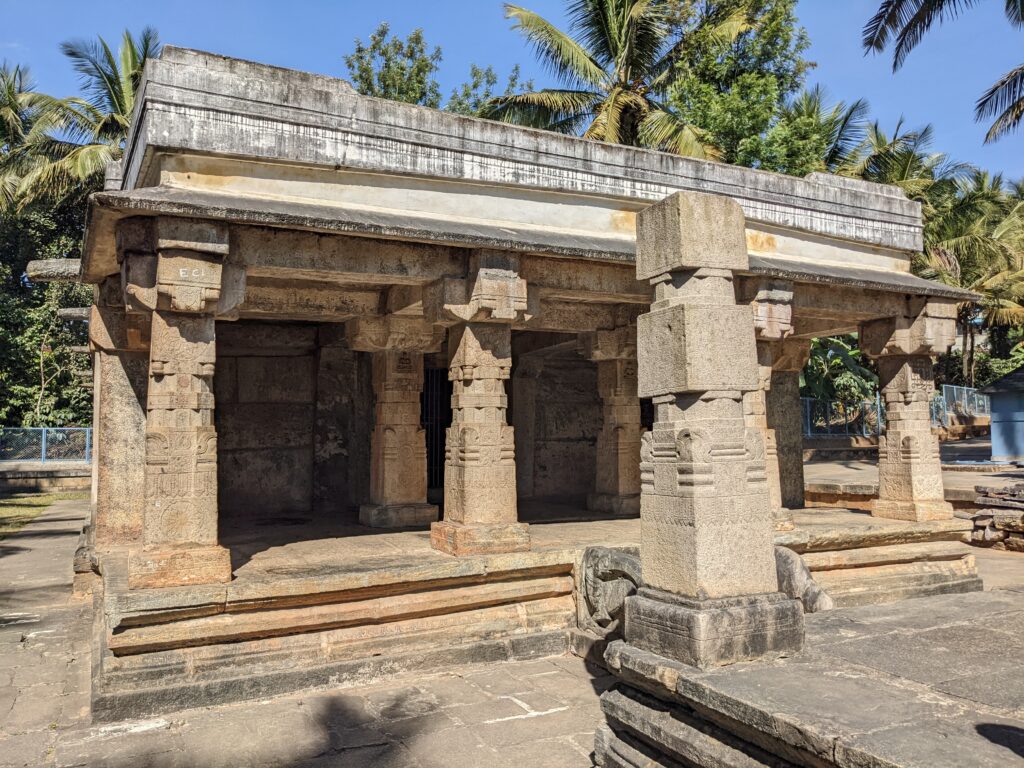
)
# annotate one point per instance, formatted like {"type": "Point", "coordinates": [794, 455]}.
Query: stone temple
{"type": "Point", "coordinates": [373, 381]}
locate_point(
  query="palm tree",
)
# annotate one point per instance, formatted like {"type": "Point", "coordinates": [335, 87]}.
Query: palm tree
{"type": "Point", "coordinates": [909, 20]}
{"type": "Point", "coordinates": [25, 115]}
{"type": "Point", "coordinates": [617, 65]}
{"type": "Point", "coordinates": [842, 125]}
{"type": "Point", "coordinates": [974, 239]}
{"type": "Point", "coordinates": [88, 133]}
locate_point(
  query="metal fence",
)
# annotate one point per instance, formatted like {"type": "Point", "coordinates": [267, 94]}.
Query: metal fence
{"type": "Point", "coordinates": [965, 401]}
{"type": "Point", "coordinates": [830, 418]}
{"type": "Point", "coordinates": [46, 444]}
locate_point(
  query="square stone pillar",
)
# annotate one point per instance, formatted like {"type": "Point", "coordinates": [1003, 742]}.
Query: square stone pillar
{"type": "Point", "coordinates": [398, 454]}
{"type": "Point", "coordinates": [772, 305]}
{"type": "Point", "coordinates": [617, 483]}
{"type": "Point", "coordinates": [909, 467]}
{"type": "Point", "coordinates": [480, 514]}
{"type": "Point", "coordinates": [710, 594]}
{"type": "Point", "coordinates": [786, 419]}
{"type": "Point", "coordinates": [175, 271]}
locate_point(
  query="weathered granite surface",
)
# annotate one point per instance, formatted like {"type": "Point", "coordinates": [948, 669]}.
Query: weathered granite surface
{"type": "Point", "coordinates": [930, 683]}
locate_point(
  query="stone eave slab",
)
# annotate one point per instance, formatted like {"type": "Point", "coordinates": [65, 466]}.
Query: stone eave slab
{"type": "Point", "coordinates": [200, 103]}
{"type": "Point", "coordinates": [99, 257]}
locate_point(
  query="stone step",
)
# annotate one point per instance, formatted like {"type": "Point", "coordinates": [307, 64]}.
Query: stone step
{"type": "Point", "coordinates": [889, 554]}
{"type": "Point", "coordinates": [899, 581]}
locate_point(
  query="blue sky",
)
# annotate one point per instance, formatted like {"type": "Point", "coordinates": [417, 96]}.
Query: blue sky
{"type": "Point", "coordinates": [939, 83]}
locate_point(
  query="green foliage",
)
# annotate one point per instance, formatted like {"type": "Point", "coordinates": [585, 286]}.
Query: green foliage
{"type": "Point", "coordinates": [837, 370]}
{"type": "Point", "coordinates": [391, 68]}
{"type": "Point", "coordinates": [404, 70]}
{"type": "Point", "coordinates": [471, 97]}
{"type": "Point", "coordinates": [734, 88]}
{"type": "Point", "coordinates": [40, 375]}
{"type": "Point", "coordinates": [617, 63]}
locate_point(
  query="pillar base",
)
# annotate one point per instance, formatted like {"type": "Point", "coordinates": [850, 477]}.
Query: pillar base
{"type": "Point", "coordinates": [458, 539]}
{"type": "Point", "coordinates": [917, 511]}
{"type": "Point", "coordinates": [782, 519]}
{"type": "Point", "coordinates": [152, 569]}
{"type": "Point", "coordinates": [713, 633]}
{"type": "Point", "coordinates": [397, 515]}
{"type": "Point", "coordinates": [611, 503]}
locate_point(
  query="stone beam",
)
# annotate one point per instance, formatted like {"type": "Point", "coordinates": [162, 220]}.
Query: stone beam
{"type": "Point", "coordinates": [299, 300]}
{"type": "Point", "coordinates": [54, 270]}
{"type": "Point", "coordinates": [293, 254]}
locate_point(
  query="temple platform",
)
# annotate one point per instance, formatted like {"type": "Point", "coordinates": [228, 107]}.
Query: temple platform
{"type": "Point", "coordinates": [312, 603]}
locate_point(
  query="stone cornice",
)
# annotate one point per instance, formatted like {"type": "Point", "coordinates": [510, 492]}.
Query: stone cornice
{"type": "Point", "coordinates": [207, 104]}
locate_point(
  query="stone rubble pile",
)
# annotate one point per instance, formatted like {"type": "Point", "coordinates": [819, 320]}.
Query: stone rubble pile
{"type": "Point", "coordinates": [1000, 522]}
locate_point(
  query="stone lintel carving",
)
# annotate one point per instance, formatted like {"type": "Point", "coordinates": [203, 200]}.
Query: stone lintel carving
{"type": "Point", "coordinates": [392, 332]}
{"type": "Point", "coordinates": [493, 292]}
{"type": "Point", "coordinates": [180, 265]}
{"type": "Point", "coordinates": [710, 590]}
{"type": "Point", "coordinates": [772, 305]}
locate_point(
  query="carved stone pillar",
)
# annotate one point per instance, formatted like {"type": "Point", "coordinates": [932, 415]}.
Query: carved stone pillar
{"type": "Point", "coordinates": [618, 444]}
{"type": "Point", "coordinates": [772, 306]}
{"type": "Point", "coordinates": [909, 468]}
{"type": "Point", "coordinates": [175, 270]}
{"type": "Point", "coordinates": [710, 593]}
{"type": "Point", "coordinates": [121, 366]}
{"type": "Point", "coordinates": [480, 513]}
{"type": "Point", "coordinates": [785, 418]}
{"type": "Point", "coordinates": [398, 455]}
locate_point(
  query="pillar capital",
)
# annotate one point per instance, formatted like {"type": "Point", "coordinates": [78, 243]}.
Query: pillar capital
{"type": "Point", "coordinates": [178, 265]}
{"type": "Point", "coordinates": [926, 327]}
{"type": "Point", "coordinates": [617, 343]}
{"type": "Point", "coordinates": [772, 305]}
{"type": "Point", "coordinates": [492, 292]}
{"type": "Point", "coordinates": [785, 355]}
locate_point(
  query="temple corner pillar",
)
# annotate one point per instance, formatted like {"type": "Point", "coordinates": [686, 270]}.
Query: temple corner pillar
{"type": "Point", "coordinates": [617, 479]}
{"type": "Point", "coordinates": [909, 465]}
{"type": "Point", "coordinates": [398, 453]}
{"type": "Point", "coordinates": [709, 595]}
{"type": "Point", "coordinates": [179, 275]}
{"type": "Point", "coordinates": [480, 502]}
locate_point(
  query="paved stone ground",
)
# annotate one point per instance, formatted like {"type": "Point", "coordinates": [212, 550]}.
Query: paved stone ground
{"type": "Point", "coordinates": [540, 713]}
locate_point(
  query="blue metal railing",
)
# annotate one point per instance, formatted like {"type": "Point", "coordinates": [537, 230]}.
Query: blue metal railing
{"type": "Point", "coordinates": [866, 418]}
{"type": "Point", "coordinates": [46, 444]}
